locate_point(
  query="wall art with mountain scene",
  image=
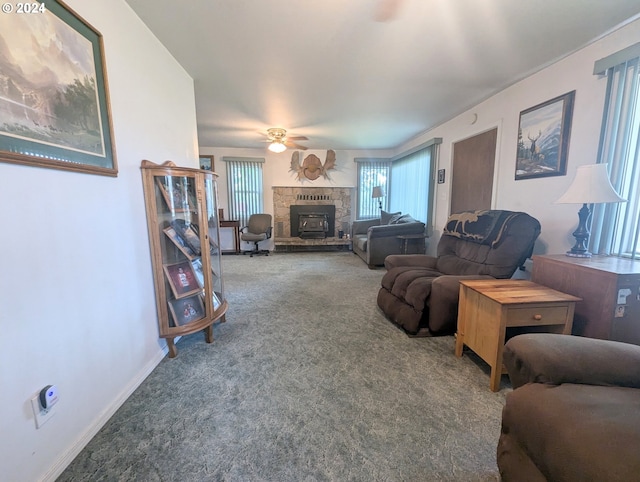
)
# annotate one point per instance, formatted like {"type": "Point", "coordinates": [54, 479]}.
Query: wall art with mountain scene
{"type": "Point", "coordinates": [54, 106]}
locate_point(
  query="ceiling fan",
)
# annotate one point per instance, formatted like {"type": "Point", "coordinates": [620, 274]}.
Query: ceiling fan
{"type": "Point", "coordinates": [279, 140]}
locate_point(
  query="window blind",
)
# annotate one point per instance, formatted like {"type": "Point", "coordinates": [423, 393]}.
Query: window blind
{"type": "Point", "coordinates": [371, 173]}
{"type": "Point", "coordinates": [615, 227]}
{"type": "Point", "coordinates": [244, 188]}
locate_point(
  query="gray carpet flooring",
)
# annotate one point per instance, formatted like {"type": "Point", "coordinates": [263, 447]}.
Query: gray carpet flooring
{"type": "Point", "coordinates": [306, 381]}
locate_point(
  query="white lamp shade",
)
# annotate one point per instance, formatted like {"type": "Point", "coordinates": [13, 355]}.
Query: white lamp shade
{"type": "Point", "coordinates": [591, 185]}
{"type": "Point", "coordinates": [277, 147]}
{"type": "Point", "coordinates": [377, 192]}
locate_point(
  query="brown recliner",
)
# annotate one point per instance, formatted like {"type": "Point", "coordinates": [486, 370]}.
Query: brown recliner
{"type": "Point", "coordinates": [573, 413]}
{"type": "Point", "coordinates": [420, 292]}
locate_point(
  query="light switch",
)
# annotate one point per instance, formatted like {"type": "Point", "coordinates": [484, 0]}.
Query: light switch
{"type": "Point", "coordinates": [622, 296]}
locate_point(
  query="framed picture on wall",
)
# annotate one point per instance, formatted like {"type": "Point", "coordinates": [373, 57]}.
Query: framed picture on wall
{"type": "Point", "coordinates": [56, 113]}
{"type": "Point", "coordinates": [543, 138]}
{"type": "Point", "coordinates": [206, 163]}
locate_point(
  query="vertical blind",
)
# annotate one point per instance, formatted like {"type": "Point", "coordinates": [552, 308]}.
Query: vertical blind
{"type": "Point", "coordinates": [244, 187]}
{"type": "Point", "coordinates": [371, 173]}
{"type": "Point", "coordinates": [616, 228]}
{"type": "Point", "coordinates": [410, 184]}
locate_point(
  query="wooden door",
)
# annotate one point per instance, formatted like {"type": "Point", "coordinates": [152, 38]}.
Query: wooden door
{"type": "Point", "coordinates": [472, 172]}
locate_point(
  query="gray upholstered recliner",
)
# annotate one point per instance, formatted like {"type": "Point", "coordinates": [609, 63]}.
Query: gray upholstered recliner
{"type": "Point", "coordinates": [420, 292]}
{"type": "Point", "coordinates": [257, 229]}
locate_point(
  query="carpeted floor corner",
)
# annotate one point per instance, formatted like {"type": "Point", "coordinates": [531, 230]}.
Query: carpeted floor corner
{"type": "Point", "coordinates": [306, 381]}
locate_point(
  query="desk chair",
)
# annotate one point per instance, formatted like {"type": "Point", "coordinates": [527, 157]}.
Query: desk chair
{"type": "Point", "coordinates": [258, 229]}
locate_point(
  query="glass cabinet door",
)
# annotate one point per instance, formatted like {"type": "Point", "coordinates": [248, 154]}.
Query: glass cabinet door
{"type": "Point", "coordinates": [211, 196]}
{"type": "Point", "coordinates": [178, 217]}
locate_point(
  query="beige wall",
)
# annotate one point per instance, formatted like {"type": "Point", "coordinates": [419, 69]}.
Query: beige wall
{"type": "Point", "coordinates": [535, 196]}
{"type": "Point", "coordinates": [77, 306]}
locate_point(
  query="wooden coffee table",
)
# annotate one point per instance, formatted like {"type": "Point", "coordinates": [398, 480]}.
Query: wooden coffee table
{"type": "Point", "coordinates": [488, 307]}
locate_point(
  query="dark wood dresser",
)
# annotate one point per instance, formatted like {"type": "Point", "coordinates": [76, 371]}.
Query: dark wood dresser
{"type": "Point", "coordinates": [609, 288]}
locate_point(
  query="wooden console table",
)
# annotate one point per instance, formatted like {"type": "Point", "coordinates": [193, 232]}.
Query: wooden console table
{"type": "Point", "coordinates": [609, 287]}
{"type": "Point", "coordinates": [488, 307]}
{"type": "Point", "coordinates": [230, 237]}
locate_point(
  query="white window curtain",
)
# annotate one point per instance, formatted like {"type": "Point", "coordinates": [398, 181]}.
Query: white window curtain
{"type": "Point", "coordinates": [244, 187]}
{"type": "Point", "coordinates": [411, 189]}
{"type": "Point", "coordinates": [371, 173]}
{"type": "Point", "coordinates": [615, 228]}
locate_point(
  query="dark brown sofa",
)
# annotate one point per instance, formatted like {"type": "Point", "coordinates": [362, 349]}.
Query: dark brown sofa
{"type": "Point", "coordinates": [574, 413]}
{"type": "Point", "coordinates": [420, 292]}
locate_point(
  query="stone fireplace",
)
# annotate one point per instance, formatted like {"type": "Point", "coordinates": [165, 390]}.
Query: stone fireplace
{"type": "Point", "coordinates": [325, 210]}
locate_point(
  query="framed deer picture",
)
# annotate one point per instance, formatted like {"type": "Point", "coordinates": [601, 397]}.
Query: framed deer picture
{"type": "Point", "coordinates": [543, 138]}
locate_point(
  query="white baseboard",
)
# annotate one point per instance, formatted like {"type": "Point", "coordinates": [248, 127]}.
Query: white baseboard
{"type": "Point", "coordinates": [66, 458]}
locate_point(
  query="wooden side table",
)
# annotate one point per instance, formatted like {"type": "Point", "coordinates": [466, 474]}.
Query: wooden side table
{"type": "Point", "coordinates": [488, 307]}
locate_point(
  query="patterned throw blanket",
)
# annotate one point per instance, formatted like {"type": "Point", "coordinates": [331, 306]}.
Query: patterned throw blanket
{"type": "Point", "coordinates": [482, 227]}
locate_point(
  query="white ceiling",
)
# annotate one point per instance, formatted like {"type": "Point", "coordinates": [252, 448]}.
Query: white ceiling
{"type": "Point", "coordinates": [332, 71]}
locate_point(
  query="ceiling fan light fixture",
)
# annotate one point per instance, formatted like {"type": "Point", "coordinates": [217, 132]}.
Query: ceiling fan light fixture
{"type": "Point", "coordinates": [277, 147]}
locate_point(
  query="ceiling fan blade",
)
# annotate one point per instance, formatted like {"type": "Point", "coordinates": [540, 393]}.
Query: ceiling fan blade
{"type": "Point", "coordinates": [297, 138]}
{"type": "Point", "coordinates": [293, 145]}
{"type": "Point", "coordinates": [387, 10]}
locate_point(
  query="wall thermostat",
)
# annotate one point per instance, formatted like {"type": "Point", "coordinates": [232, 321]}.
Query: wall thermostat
{"type": "Point", "coordinates": [48, 396]}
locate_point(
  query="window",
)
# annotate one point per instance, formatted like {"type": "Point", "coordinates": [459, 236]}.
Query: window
{"type": "Point", "coordinates": [615, 228]}
{"type": "Point", "coordinates": [371, 173]}
{"type": "Point", "coordinates": [244, 187]}
{"type": "Point", "coordinates": [412, 182]}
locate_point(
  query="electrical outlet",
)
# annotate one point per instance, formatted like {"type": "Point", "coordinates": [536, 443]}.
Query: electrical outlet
{"type": "Point", "coordinates": [40, 415]}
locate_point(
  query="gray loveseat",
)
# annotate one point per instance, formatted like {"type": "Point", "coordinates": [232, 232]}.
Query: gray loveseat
{"type": "Point", "coordinates": [574, 412]}
{"type": "Point", "coordinates": [375, 239]}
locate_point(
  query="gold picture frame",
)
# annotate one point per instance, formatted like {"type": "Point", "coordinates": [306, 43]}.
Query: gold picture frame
{"type": "Point", "coordinates": [206, 163]}
{"type": "Point", "coordinates": [187, 310]}
{"type": "Point", "coordinates": [61, 120]}
{"type": "Point", "coordinates": [182, 279]}
{"type": "Point", "coordinates": [177, 196]}
{"type": "Point", "coordinates": [179, 243]}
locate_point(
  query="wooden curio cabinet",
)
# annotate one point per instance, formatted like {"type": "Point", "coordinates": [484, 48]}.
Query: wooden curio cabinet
{"type": "Point", "coordinates": [182, 218]}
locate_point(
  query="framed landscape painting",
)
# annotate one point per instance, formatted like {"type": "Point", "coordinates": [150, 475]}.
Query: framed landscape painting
{"type": "Point", "coordinates": [206, 163]}
{"type": "Point", "coordinates": [543, 138]}
{"type": "Point", "coordinates": [54, 101]}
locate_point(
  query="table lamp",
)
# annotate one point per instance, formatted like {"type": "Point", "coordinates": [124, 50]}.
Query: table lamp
{"type": "Point", "coordinates": [377, 194]}
{"type": "Point", "coordinates": [590, 186]}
